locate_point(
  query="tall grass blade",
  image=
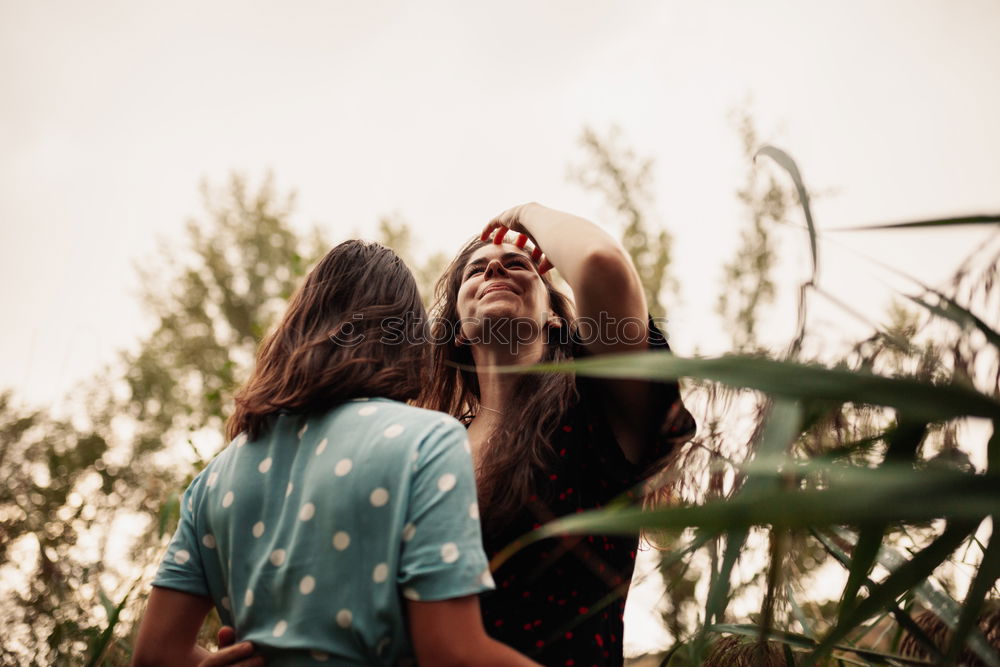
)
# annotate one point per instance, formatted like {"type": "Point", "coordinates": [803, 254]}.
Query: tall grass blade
{"type": "Point", "coordinates": [718, 594]}
{"type": "Point", "coordinates": [988, 573]}
{"type": "Point", "coordinates": [963, 317]}
{"type": "Point", "coordinates": [936, 222]}
{"type": "Point", "coordinates": [788, 164]}
{"type": "Point", "coordinates": [791, 380]}
{"type": "Point", "coordinates": [936, 598]}
{"type": "Point", "coordinates": [862, 560]}
{"type": "Point", "coordinates": [921, 566]}
{"type": "Point", "coordinates": [101, 645]}
{"type": "Point", "coordinates": [871, 496]}
{"type": "Point", "coordinates": [169, 510]}
{"type": "Point", "coordinates": [800, 615]}
{"type": "Point", "coordinates": [801, 641]}
{"type": "Point", "coordinates": [904, 620]}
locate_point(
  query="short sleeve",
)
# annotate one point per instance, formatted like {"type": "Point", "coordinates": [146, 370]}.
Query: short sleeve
{"type": "Point", "coordinates": [442, 553]}
{"type": "Point", "coordinates": [182, 568]}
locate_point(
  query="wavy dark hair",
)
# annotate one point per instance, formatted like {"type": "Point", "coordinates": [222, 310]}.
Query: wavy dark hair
{"type": "Point", "coordinates": [332, 343]}
{"type": "Point", "coordinates": [518, 451]}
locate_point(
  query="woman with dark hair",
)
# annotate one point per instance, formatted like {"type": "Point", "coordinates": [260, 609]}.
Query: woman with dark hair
{"type": "Point", "coordinates": [549, 445]}
{"type": "Point", "coordinates": [338, 517]}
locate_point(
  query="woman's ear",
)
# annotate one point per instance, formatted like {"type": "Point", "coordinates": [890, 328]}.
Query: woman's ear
{"type": "Point", "coordinates": [555, 322]}
{"type": "Point", "coordinates": [459, 340]}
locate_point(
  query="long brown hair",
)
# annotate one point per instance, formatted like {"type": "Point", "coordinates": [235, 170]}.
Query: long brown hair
{"type": "Point", "coordinates": [518, 451]}
{"type": "Point", "coordinates": [355, 327]}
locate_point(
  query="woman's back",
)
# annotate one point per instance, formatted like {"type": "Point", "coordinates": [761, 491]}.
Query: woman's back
{"type": "Point", "coordinates": [305, 537]}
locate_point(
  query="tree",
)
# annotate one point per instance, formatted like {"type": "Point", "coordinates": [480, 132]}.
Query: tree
{"type": "Point", "coordinates": [130, 455]}
{"type": "Point", "coordinates": [45, 462]}
{"type": "Point", "coordinates": [747, 284]}
{"type": "Point", "coordinates": [395, 233]}
{"type": "Point", "coordinates": [623, 179]}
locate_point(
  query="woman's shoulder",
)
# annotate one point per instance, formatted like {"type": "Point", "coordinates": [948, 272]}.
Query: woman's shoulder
{"type": "Point", "coordinates": [393, 419]}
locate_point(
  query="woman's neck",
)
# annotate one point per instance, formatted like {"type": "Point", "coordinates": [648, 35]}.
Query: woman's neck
{"type": "Point", "coordinates": [496, 389]}
{"type": "Point", "coordinates": [497, 401]}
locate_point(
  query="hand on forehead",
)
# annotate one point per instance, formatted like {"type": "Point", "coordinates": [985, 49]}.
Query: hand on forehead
{"type": "Point", "coordinates": [498, 234]}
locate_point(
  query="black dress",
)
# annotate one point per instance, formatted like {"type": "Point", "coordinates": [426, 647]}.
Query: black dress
{"type": "Point", "coordinates": [561, 601]}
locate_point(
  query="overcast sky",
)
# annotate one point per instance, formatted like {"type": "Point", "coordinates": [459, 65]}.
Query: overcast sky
{"type": "Point", "coordinates": [446, 113]}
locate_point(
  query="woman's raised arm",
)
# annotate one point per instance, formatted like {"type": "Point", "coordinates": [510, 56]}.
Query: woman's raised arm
{"type": "Point", "coordinates": [610, 302]}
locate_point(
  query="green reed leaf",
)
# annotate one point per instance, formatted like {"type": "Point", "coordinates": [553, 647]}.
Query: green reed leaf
{"type": "Point", "coordinates": [988, 573]}
{"type": "Point", "coordinates": [908, 575]}
{"type": "Point", "coordinates": [788, 164]}
{"type": "Point", "coordinates": [950, 309]}
{"type": "Point", "coordinates": [936, 222]}
{"type": "Point", "coordinates": [792, 380]}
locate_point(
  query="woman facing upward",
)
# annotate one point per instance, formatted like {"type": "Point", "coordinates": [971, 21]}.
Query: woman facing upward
{"type": "Point", "coordinates": [548, 445]}
{"type": "Point", "coordinates": [338, 517]}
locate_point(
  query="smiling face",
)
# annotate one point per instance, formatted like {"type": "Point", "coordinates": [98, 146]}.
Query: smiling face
{"type": "Point", "coordinates": [500, 282]}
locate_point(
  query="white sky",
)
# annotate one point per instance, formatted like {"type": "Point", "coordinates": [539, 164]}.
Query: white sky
{"type": "Point", "coordinates": [448, 112]}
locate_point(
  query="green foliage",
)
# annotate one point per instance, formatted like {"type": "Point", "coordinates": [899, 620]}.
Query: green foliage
{"type": "Point", "coordinates": [210, 303]}
{"type": "Point", "coordinates": [748, 286]}
{"type": "Point", "coordinates": [396, 234]}
{"type": "Point", "coordinates": [841, 460]}
{"type": "Point", "coordinates": [44, 462]}
{"type": "Point", "coordinates": [213, 301]}
{"type": "Point", "coordinates": [623, 179]}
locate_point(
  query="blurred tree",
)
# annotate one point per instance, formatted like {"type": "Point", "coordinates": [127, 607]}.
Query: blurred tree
{"type": "Point", "coordinates": [396, 234]}
{"type": "Point", "coordinates": [211, 302]}
{"type": "Point", "coordinates": [748, 286]}
{"type": "Point", "coordinates": [623, 178]}
{"type": "Point", "coordinates": [46, 465]}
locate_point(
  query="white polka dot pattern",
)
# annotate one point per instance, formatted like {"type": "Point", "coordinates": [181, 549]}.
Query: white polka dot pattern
{"type": "Point", "coordinates": [228, 499]}
{"type": "Point", "coordinates": [343, 467]}
{"type": "Point", "coordinates": [258, 529]}
{"type": "Point", "coordinates": [248, 598]}
{"type": "Point", "coordinates": [344, 618]}
{"type": "Point", "coordinates": [379, 497]}
{"type": "Point", "coordinates": [277, 557]}
{"type": "Point", "coordinates": [307, 585]}
{"type": "Point", "coordinates": [280, 628]}
{"type": "Point", "coordinates": [307, 512]}
{"type": "Point", "coordinates": [409, 530]}
{"type": "Point", "coordinates": [265, 465]}
{"type": "Point", "coordinates": [367, 410]}
{"type": "Point", "coordinates": [182, 556]}
{"type": "Point", "coordinates": [380, 573]}
{"type": "Point", "coordinates": [393, 431]}
{"type": "Point", "coordinates": [321, 447]}
{"type": "Point", "coordinates": [208, 541]}
{"type": "Point", "coordinates": [446, 482]}
{"type": "Point", "coordinates": [341, 541]}
{"type": "Point", "coordinates": [449, 552]}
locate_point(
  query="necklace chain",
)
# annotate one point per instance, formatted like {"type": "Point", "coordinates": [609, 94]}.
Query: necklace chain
{"type": "Point", "coordinates": [483, 407]}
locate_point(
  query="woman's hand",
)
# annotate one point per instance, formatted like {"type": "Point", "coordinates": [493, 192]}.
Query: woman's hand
{"type": "Point", "coordinates": [512, 220]}
{"type": "Point", "coordinates": [231, 654]}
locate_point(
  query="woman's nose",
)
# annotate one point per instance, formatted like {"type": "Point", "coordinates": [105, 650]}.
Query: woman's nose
{"type": "Point", "coordinates": [495, 267]}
